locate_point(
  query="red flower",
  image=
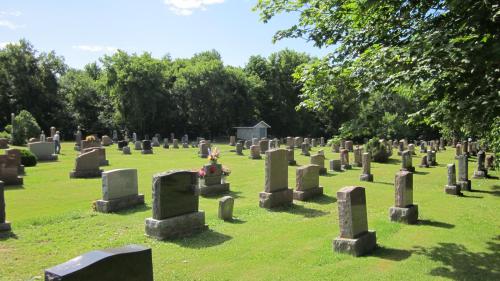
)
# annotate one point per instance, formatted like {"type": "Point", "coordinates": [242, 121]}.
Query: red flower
{"type": "Point", "coordinates": [201, 173]}
{"type": "Point", "coordinates": [213, 169]}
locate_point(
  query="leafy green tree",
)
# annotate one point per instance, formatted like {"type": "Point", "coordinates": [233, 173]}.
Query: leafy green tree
{"type": "Point", "coordinates": [25, 127]}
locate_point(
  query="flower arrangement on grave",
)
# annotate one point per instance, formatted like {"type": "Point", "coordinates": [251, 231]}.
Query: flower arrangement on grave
{"type": "Point", "coordinates": [213, 155]}
{"type": "Point", "coordinates": [226, 171]}
{"type": "Point", "coordinates": [90, 138]}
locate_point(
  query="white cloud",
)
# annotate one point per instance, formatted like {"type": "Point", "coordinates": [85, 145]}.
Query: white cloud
{"type": "Point", "coordinates": [10, 13]}
{"type": "Point", "coordinates": [96, 48]}
{"type": "Point", "coordinates": [186, 7]}
{"type": "Point", "coordinates": [9, 24]}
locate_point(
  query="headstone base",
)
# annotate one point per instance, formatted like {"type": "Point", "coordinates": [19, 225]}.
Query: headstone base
{"type": "Point", "coordinates": [255, 157]}
{"type": "Point", "coordinates": [214, 189]}
{"type": "Point", "coordinates": [146, 151]}
{"type": "Point", "coordinates": [346, 167]}
{"type": "Point", "coordinates": [479, 174]}
{"type": "Point", "coordinates": [358, 246]}
{"type": "Point", "coordinates": [52, 157]}
{"type": "Point", "coordinates": [13, 181]}
{"type": "Point", "coordinates": [305, 154]}
{"type": "Point", "coordinates": [409, 169]}
{"type": "Point", "coordinates": [85, 174]}
{"type": "Point", "coordinates": [423, 166]}
{"type": "Point", "coordinates": [322, 171]}
{"type": "Point", "coordinates": [366, 177]}
{"type": "Point", "coordinates": [303, 195]}
{"type": "Point", "coordinates": [114, 205]}
{"type": "Point", "coordinates": [4, 227]}
{"type": "Point", "coordinates": [103, 163]}
{"type": "Point", "coordinates": [452, 189]}
{"type": "Point", "coordinates": [176, 227]}
{"type": "Point", "coordinates": [407, 215]}
{"type": "Point", "coordinates": [276, 199]}
{"type": "Point", "coordinates": [292, 162]}
{"type": "Point", "coordinates": [203, 155]}
{"type": "Point", "coordinates": [465, 185]}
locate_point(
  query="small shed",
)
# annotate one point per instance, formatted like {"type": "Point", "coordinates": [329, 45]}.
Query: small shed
{"type": "Point", "coordinates": [258, 131]}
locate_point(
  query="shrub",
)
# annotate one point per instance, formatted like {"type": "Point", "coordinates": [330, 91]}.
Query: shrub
{"type": "Point", "coordinates": [493, 138]}
{"type": "Point", "coordinates": [25, 127]}
{"type": "Point", "coordinates": [335, 140]}
{"type": "Point", "coordinates": [4, 135]}
{"type": "Point", "coordinates": [379, 151]}
{"type": "Point", "coordinates": [28, 159]}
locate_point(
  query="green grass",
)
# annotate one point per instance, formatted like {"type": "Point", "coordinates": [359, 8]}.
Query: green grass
{"type": "Point", "coordinates": [458, 237]}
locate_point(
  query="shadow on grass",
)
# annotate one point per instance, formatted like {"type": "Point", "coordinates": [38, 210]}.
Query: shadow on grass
{"type": "Point", "coordinates": [462, 264]}
{"type": "Point", "coordinates": [301, 210]}
{"type": "Point", "coordinates": [391, 254]}
{"type": "Point", "coordinates": [136, 209]}
{"type": "Point", "coordinates": [435, 224]}
{"type": "Point", "coordinates": [471, 196]}
{"type": "Point", "coordinates": [491, 192]}
{"type": "Point", "coordinates": [421, 173]}
{"type": "Point", "coordinates": [330, 174]}
{"type": "Point", "coordinates": [384, 183]}
{"type": "Point", "coordinates": [17, 186]}
{"type": "Point", "coordinates": [205, 239]}
{"type": "Point", "coordinates": [236, 221]}
{"type": "Point", "coordinates": [393, 161]}
{"type": "Point", "coordinates": [492, 177]}
{"type": "Point", "coordinates": [495, 187]}
{"type": "Point", "coordinates": [323, 200]}
{"type": "Point", "coordinates": [7, 235]}
{"type": "Point", "coordinates": [234, 194]}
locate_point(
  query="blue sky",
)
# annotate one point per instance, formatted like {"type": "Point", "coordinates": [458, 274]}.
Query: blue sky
{"type": "Point", "coordinates": [84, 30]}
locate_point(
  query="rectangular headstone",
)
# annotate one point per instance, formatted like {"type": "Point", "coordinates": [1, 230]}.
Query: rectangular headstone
{"type": "Point", "coordinates": [119, 183]}
{"type": "Point", "coordinates": [174, 194]}
{"type": "Point", "coordinates": [276, 170]}
{"type": "Point", "coordinates": [353, 220]}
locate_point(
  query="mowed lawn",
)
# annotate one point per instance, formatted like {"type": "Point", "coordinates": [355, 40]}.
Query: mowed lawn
{"type": "Point", "coordinates": [457, 238]}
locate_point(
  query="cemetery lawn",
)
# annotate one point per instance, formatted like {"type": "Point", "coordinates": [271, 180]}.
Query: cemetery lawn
{"type": "Point", "coordinates": [457, 238]}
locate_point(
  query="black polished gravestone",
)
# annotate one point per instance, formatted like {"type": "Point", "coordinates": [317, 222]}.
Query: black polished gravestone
{"type": "Point", "coordinates": [4, 225]}
{"type": "Point", "coordinates": [175, 206]}
{"type": "Point", "coordinates": [122, 144]}
{"type": "Point", "coordinates": [131, 263]}
{"type": "Point", "coordinates": [146, 147]}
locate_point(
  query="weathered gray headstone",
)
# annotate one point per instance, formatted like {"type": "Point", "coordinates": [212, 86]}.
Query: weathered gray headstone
{"type": "Point", "coordinates": [290, 156]}
{"type": "Point", "coordinates": [335, 165]}
{"type": "Point", "coordinates": [305, 149]}
{"type": "Point", "coordinates": [366, 175]}
{"type": "Point", "coordinates": [307, 183]}
{"type": "Point", "coordinates": [276, 192]}
{"type": "Point", "coordinates": [480, 171]}
{"type": "Point", "coordinates": [175, 206]}
{"type": "Point", "coordinates": [226, 205]}
{"type": "Point", "coordinates": [146, 147]}
{"type": "Point", "coordinates": [126, 150]}
{"type": "Point", "coordinates": [119, 191]}
{"type": "Point", "coordinates": [490, 162]}
{"type": "Point", "coordinates": [175, 143]}
{"type": "Point", "coordinates": [203, 153]}
{"type": "Point", "coordinates": [458, 149]}
{"type": "Point", "coordinates": [255, 152]}
{"type": "Point", "coordinates": [344, 159]}
{"type": "Point", "coordinates": [44, 151]}
{"type": "Point", "coordinates": [406, 161]}
{"type": "Point", "coordinates": [349, 146]}
{"type": "Point", "coordinates": [354, 238]}
{"type": "Point", "coordinates": [404, 210]}
{"type": "Point", "coordinates": [423, 162]}
{"type": "Point", "coordinates": [102, 154]}
{"type": "Point", "coordinates": [155, 142]}
{"type": "Point", "coordinates": [131, 263]}
{"type": "Point", "coordinates": [320, 161]}
{"type": "Point", "coordinates": [232, 140]}
{"type": "Point", "coordinates": [87, 165]}
{"type": "Point", "coordinates": [264, 146]}
{"type": "Point", "coordinates": [212, 183]}
{"type": "Point", "coordinates": [106, 140]}
{"type": "Point", "coordinates": [239, 149]}
{"type": "Point", "coordinates": [463, 172]}
{"type": "Point", "coordinates": [4, 224]}
{"type": "Point", "coordinates": [452, 187]}
{"type": "Point", "coordinates": [358, 155]}
{"type": "Point", "coordinates": [423, 147]}
{"type": "Point", "coordinates": [138, 145]}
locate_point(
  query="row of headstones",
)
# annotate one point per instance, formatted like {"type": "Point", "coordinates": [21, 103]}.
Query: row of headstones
{"type": "Point", "coordinates": [454, 186]}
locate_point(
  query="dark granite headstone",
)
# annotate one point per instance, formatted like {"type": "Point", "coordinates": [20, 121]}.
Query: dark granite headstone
{"type": "Point", "coordinates": [4, 225]}
{"type": "Point", "coordinates": [131, 263]}
{"type": "Point", "coordinates": [122, 144]}
{"type": "Point", "coordinates": [174, 194]}
{"type": "Point", "coordinates": [146, 145]}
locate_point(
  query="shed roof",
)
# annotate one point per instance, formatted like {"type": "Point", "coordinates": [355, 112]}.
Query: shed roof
{"type": "Point", "coordinates": [261, 124]}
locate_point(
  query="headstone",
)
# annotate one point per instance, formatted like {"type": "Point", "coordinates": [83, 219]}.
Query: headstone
{"type": "Point", "coordinates": [102, 155]}
{"type": "Point", "coordinates": [239, 149]}
{"type": "Point", "coordinates": [134, 137]}
{"type": "Point", "coordinates": [89, 144]}
{"type": "Point", "coordinates": [423, 162]}
{"type": "Point", "coordinates": [172, 136]}
{"type": "Point", "coordinates": [463, 172]}
{"type": "Point", "coordinates": [335, 165]}
{"type": "Point", "coordinates": [480, 172]}
{"type": "Point", "coordinates": [354, 238]}
{"type": "Point", "coordinates": [248, 143]}
{"type": "Point", "coordinates": [442, 145]}
{"type": "Point", "coordinates": [490, 162]}
{"type": "Point", "coordinates": [452, 187]}
{"type": "Point", "coordinates": [165, 143]}
{"type": "Point", "coordinates": [226, 205]}
{"type": "Point", "coordinates": [255, 141]}
{"type": "Point", "coordinates": [411, 148]}
{"type": "Point", "coordinates": [10, 167]}
{"type": "Point", "coordinates": [276, 192]}
{"type": "Point", "coordinates": [458, 149]}
{"type": "Point", "coordinates": [358, 155]}
{"type": "Point", "coordinates": [401, 147]}
{"type": "Point", "coordinates": [4, 224]}
{"type": "Point", "coordinates": [404, 211]}
{"type": "Point", "coordinates": [126, 150]}
{"type": "Point", "coordinates": [138, 145]}
{"type": "Point", "coordinates": [431, 158]}
{"type": "Point", "coordinates": [175, 206]}
{"type": "Point", "coordinates": [344, 159]}
{"type": "Point", "coordinates": [4, 143]}
{"type": "Point", "coordinates": [42, 137]}
{"type": "Point", "coordinates": [335, 147]}
{"type": "Point", "coordinates": [203, 153]}
{"type": "Point", "coordinates": [52, 132]}
{"type": "Point", "coordinates": [232, 140]}
{"type": "Point", "coordinates": [320, 161]}
{"type": "Point", "coordinates": [122, 144]}
{"type": "Point", "coordinates": [290, 156]}
{"type": "Point", "coordinates": [264, 146]}
{"type": "Point", "coordinates": [465, 147]}
{"type": "Point", "coordinates": [155, 142]}
{"type": "Point", "coordinates": [115, 135]}
{"type": "Point", "coordinates": [349, 146]}
{"type": "Point", "coordinates": [314, 143]}
{"type": "Point", "coordinates": [119, 191]}
{"type": "Point", "coordinates": [44, 151]}
{"type": "Point", "coordinates": [146, 147]}
{"type": "Point", "coordinates": [106, 141]}
{"type": "Point", "coordinates": [322, 142]}
{"type": "Point", "coordinates": [131, 263]}
{"type": "Point", "coordinates": [175, 143]}
{"type": "Point", "coordinates": [366, 175]}
{"type": "Point", "coordinates": [298, 142]}
{"type": "Point", "coordinates": [87, 165]}
{"type": "Point", "coordinates": [305, 149]}
{"type": "Point", "coordinates": [255, 152]}
{"type": "Point", "coordinates": [406, 161]}
{"type": "Point", "coordinates": [289, 142]}
{"type": "Point", "coordinates": [213, 182]}
{"type": "Point", "coordinates": [307, 183]}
